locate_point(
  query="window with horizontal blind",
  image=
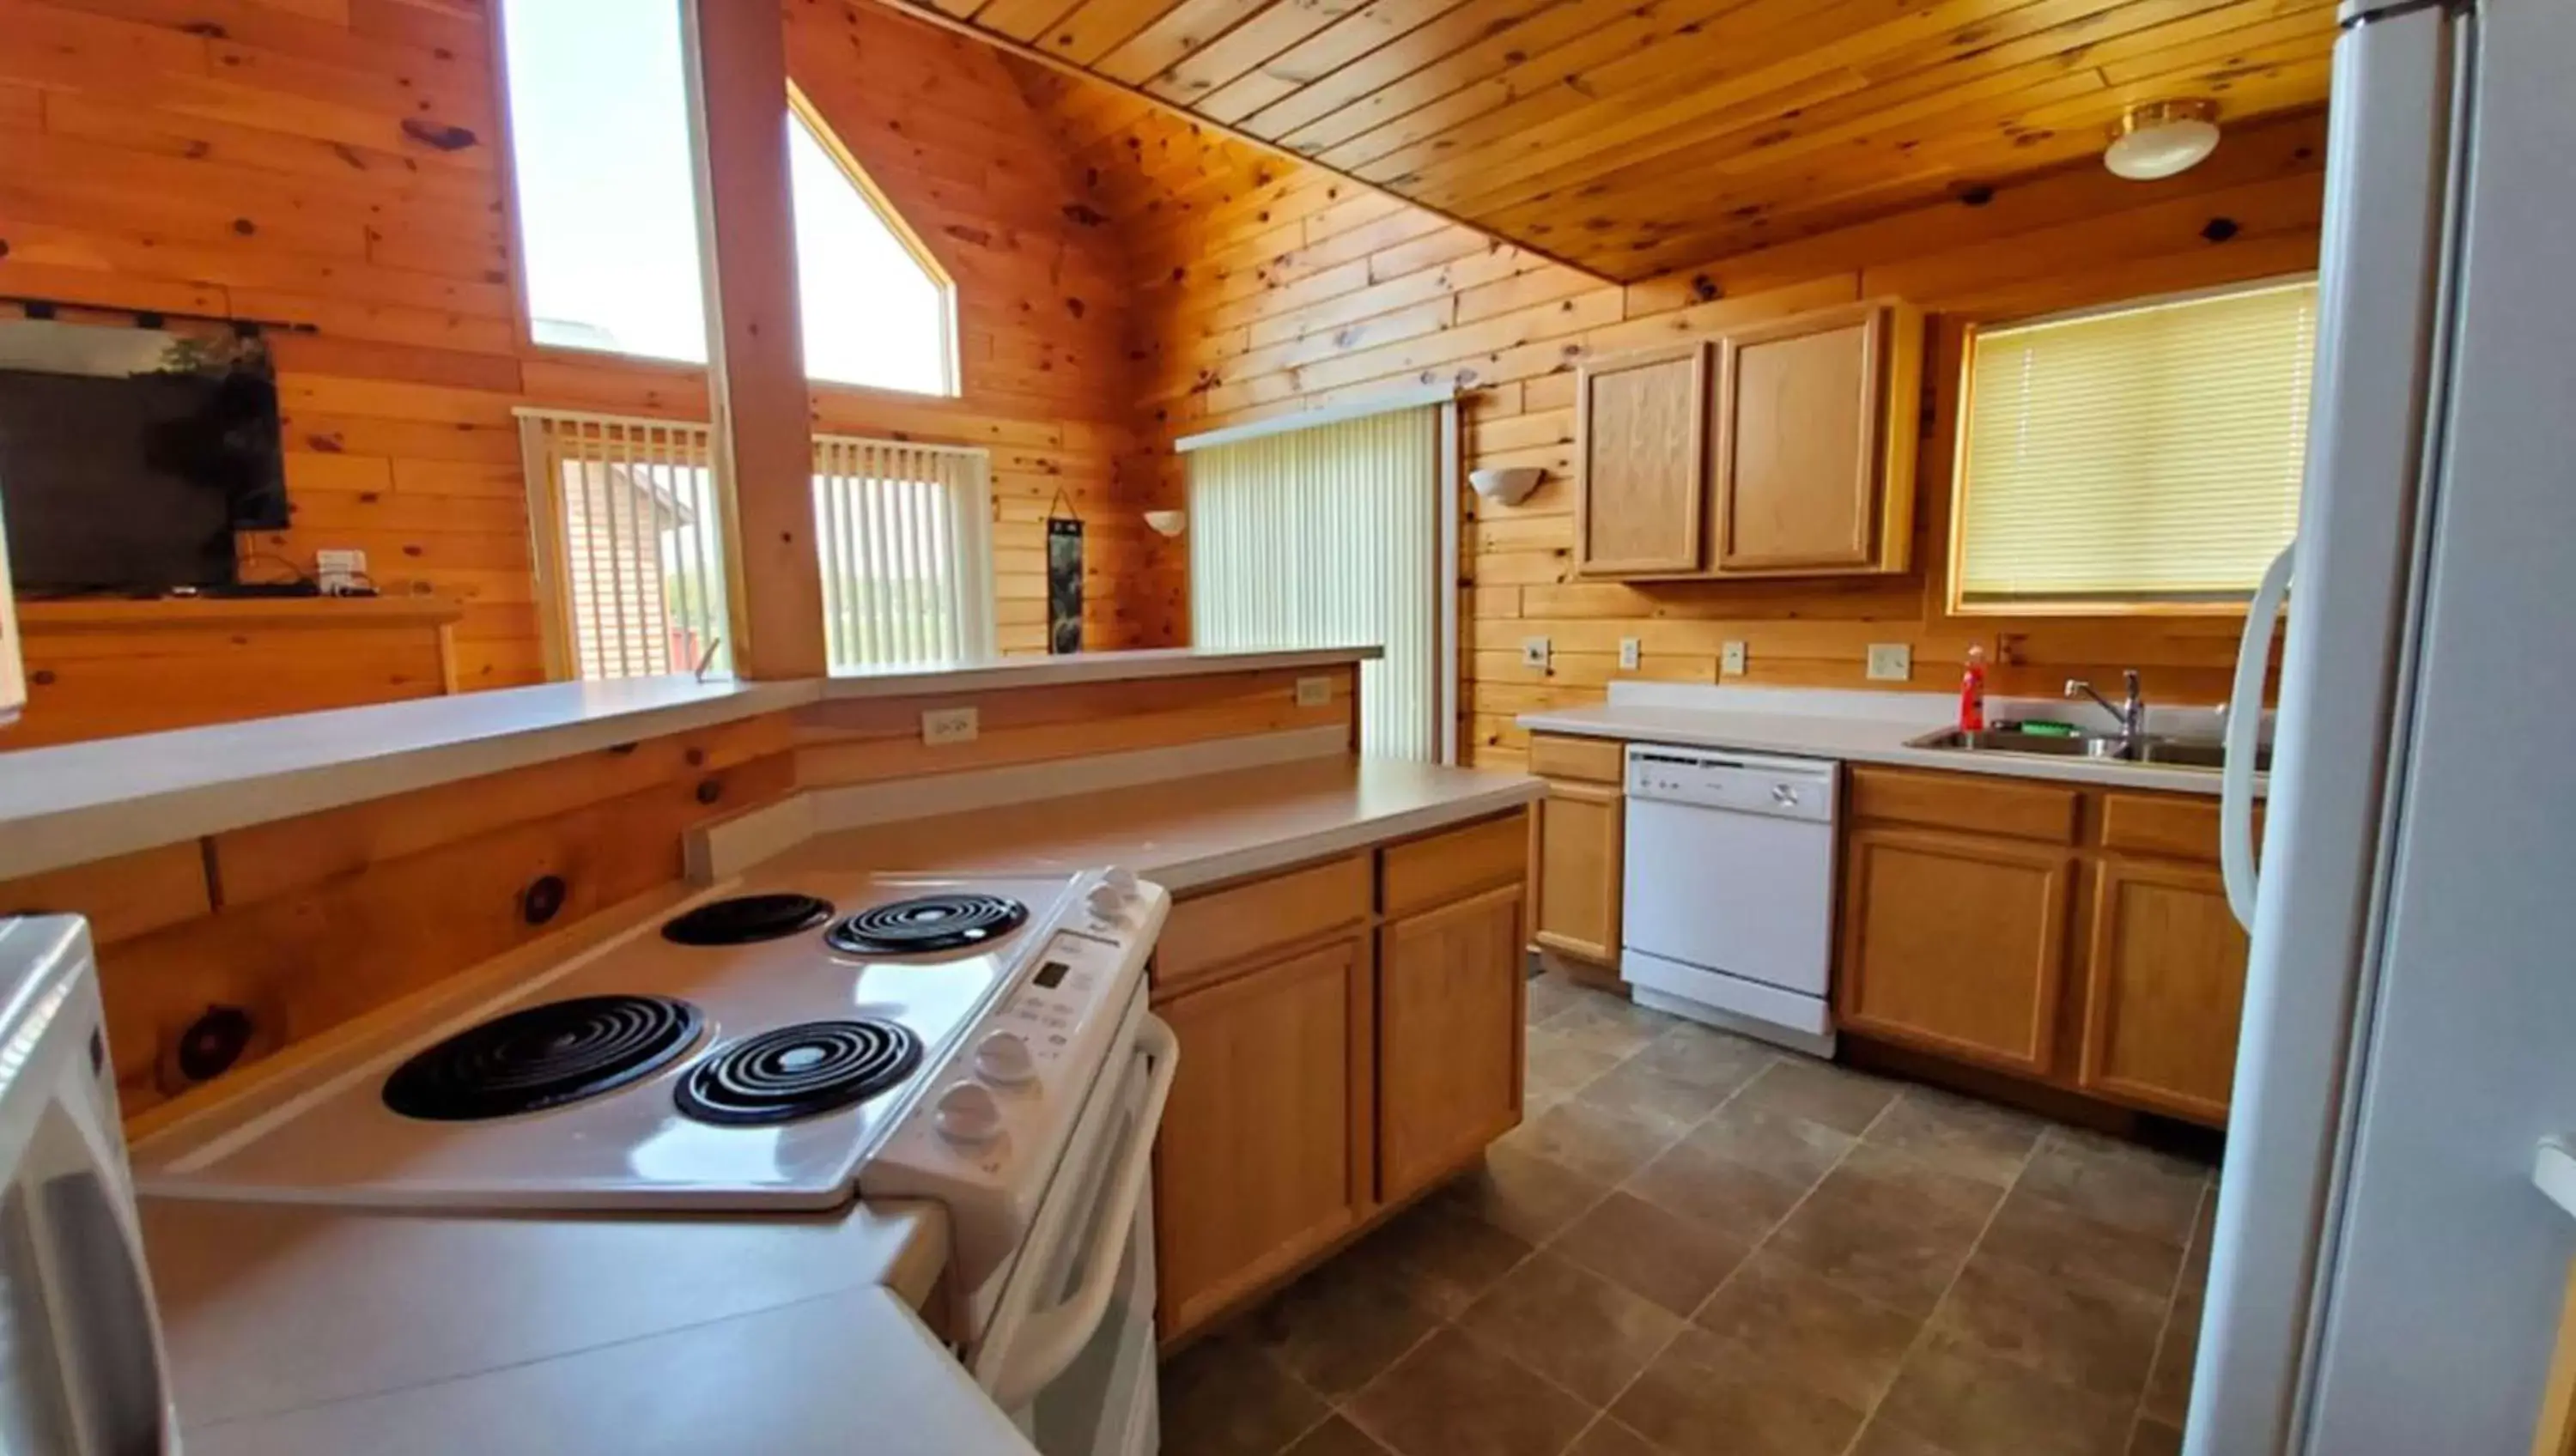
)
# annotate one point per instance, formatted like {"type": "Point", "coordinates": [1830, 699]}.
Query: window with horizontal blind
{"type": "Point", "coordinates": [630, 548]}
{"type": "Point", "coordinates": [2142, 457]}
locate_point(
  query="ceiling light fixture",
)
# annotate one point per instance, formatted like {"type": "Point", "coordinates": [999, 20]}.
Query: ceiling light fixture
{"type": "Point", "coordinates": [2159, 139]}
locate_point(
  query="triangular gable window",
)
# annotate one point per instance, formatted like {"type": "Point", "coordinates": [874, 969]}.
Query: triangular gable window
{"type": "Point", "coordinates": [600, 155]}
{"type": "Point", "coordinates": [877, 307]}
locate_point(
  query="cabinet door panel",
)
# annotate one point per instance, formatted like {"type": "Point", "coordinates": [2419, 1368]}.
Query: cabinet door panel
{"type": "Point", "coordinates": [1955, 944]}
{"type": "Point", "coordinates": [1581, 832]}
{"type": "Point", "coordinates": [1449, 1041]}
{"type": "Point", "coordinates": [1255, 1168]}
{"type": "Point", "coordinates": [1639, 433]}
{"type": "Point", "coordinates": [1797, 455]}
{"type": "Point", "coordinates": [2166, 989]}
{"type": "Point", "coordinates": [1811, 436]}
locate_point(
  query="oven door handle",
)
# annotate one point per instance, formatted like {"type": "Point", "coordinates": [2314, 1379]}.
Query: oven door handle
{"type": "Point", "coordinates": [1049, 1341]}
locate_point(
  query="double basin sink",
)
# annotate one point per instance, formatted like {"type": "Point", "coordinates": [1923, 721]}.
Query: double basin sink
{"type": "Point", "coordinates": [2147, 749]}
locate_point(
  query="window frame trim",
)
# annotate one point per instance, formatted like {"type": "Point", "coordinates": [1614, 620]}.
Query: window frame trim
{"type": "Point", "coordinates": [1953, 602]}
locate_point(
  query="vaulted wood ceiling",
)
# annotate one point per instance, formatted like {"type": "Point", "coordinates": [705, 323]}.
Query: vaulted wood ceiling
{"type": "Point", "coordinates": [1630, 137]}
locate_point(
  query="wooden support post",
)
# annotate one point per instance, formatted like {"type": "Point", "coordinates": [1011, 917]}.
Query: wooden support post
{"type": "Point", "coordinates": [755, 354]}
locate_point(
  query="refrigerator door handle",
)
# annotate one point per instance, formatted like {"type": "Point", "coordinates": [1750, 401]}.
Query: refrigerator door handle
{"type": "Point", "coordinates": [2245, 736]}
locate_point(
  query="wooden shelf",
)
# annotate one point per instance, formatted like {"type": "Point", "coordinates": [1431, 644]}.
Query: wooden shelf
{"type": "Point", "coordinates": [124, 614]}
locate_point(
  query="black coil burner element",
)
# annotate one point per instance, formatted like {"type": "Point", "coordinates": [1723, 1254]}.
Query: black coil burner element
{"type": "Point", "coordinates": [543, 1056]}
{"type": "Point", "coordinates": [799, 1071]}
{"type": "Point", "coordinates": [747, 918]}
{"type": "Point", "coordinates": [926, 924]}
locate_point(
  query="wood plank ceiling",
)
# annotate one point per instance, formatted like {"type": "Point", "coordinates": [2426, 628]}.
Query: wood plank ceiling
{"type": "Point", "coordinates": [1632, 137]}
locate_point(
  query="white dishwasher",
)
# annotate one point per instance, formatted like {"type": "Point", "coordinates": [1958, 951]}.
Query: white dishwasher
{"type": "Point", "coordinates": [1728, 901]}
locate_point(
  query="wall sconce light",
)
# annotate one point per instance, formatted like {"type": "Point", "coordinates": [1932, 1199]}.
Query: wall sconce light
{"type": "Point", "coordinates": [1167, 523]}
{"type": "Point", "coordinates": [1508, 487]}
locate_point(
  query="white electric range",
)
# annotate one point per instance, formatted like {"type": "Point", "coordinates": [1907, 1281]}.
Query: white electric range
{"type": "Point", "coordinates": [786, 1044]}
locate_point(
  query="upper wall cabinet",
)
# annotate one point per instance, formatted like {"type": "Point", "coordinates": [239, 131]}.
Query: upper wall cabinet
{"type": "Point", "coordinates": [1641, 421]}
{"type": "Point", "coordinates": [1806, 428]}
{"type": "Point", "coordinates": [1811, 441]}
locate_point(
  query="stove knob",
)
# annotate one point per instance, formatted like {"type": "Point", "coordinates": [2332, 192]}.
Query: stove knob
{"type": "Point", "coordinates": [1122, 879]}
{"type": "Point", "coordinates": [1107, 901]}
{"type": "Point", "coordinates": [968, 1114]}
{"type": "Point", "coordinates": [1004, 1058]}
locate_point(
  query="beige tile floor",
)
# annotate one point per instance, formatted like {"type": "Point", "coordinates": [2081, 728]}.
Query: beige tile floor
{"type": "Point", "coordinates": [1697, 1246]}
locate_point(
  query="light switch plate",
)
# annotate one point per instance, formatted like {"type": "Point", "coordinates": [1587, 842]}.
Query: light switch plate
{"type": "Point", "coordinates": [1890, 662]}
{"type": "Point", "coordinates": [1314, 692]}
{"type": "Point", "coordinates": [1534, 653]}
{"type": "Point", "coordinates": [1630, 651]}
{"type": "Point", "coordinates": [948, 725]}
{"type": "Point", "coordinates": [1730, 659]}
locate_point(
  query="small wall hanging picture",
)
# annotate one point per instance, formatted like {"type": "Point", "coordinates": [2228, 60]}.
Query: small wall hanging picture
{"type": "Point", "coordinates": [1064, 577]}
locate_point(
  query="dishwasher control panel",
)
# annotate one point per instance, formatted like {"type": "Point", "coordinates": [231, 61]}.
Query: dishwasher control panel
{"type": "Point", "coordinates": [1782, 788]}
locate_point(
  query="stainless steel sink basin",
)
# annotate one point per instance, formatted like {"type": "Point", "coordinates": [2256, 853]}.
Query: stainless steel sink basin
{"type": "Point", "coordinates": [2159, 751]}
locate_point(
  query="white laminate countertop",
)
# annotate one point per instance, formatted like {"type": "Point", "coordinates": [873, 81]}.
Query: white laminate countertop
{"type": "Point", "coordinates": [312, 1330]}
{"type": "Point", "coordinates": [77, 802]}
{"type": "Point", "coordinates": [301, 1329]}
{"type": "Point", "coordinates": [1849, 727]}
{"type": "Point", "coordinates": [1186, 833]}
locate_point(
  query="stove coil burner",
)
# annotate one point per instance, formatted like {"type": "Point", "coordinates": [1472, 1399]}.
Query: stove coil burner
{"type": "Point", "coordinates": [543, 1056]}
{"type": "Point", "coordinates": [798, 1071]}
{"type": "Point", "coordinates": [747, 918]}
{"type": "Point", "coordinates": [927, 924]}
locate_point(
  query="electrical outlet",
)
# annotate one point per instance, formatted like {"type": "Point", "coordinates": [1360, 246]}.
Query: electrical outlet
{"type": "Point", "coordinates": [948, 725]}
{"type": "Point", "coordinates": [1534, 653]}
{"type": "Point", "coordinates": [1314, 692]}
{"type": "Point", "coordinates": [1730, 659]}
{"type": "Point", "coordinates": [336, 573]}
{"type": "Point", "coordinates": [1890, 662]}
{"type": "Point", "coordinates": [1630, 649]}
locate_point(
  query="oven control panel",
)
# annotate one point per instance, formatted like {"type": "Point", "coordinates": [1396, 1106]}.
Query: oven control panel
{"type": "Point", "coordinates": [993, 1121]}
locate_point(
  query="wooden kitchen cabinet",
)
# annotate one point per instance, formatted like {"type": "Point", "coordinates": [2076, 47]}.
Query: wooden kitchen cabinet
{"type": "Point", "coordinates": [1581, 835]}
{"type": "Point", "coordinates": [1257, 1167]}
{"type": "Point", "coordinates": [1800, 434]}
{"type": "Point", "coordinates": [1350, 1034]}
{"type": "Point", "coordinates": [1449, 1016]}
{"type": "Point", "coordinates": [1955, 943]}
{"type": "Point", "coordinates": [2076, 936]}
{"type": "Point", "coordinates": [1639, 423]}
{"type": "Point", "coordinates": [1811, 430]}
{"type": "Point", "coordinates": [2165, 989]}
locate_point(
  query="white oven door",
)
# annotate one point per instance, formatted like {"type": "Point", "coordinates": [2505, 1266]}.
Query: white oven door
{"type": "Point", "coordinates": [80, 1354]}
{"type": "Point", "coordinates": [1069, 1351]}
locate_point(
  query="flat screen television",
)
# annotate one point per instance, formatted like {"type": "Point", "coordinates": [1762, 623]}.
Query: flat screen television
{"type": "Point", "coordinates": [129, 457]}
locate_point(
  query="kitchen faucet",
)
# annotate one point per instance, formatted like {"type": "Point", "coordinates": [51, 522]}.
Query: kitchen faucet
{"type": "Point", "coordinates": [2132, 712]}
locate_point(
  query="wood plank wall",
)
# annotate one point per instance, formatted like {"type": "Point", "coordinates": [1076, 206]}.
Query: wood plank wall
{"type": "Point", "coordinates": [308, 923]}
{"type": "Point", "coordinates": [339, 163]}
{"type": "Point", "coordinates": [1265, 286]}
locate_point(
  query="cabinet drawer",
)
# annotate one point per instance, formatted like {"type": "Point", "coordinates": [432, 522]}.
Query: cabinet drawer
{"type": "Point", "coordinates": [1438, 868]}
{"type": "Point", "coordinates": [1592, 760]}
{"type": "Point", "coordinates": [2165, 824]}
{"type": "Point", "coordinates": [2043, 812]}
{"type": "Point", "coordinates": [1206, 933]}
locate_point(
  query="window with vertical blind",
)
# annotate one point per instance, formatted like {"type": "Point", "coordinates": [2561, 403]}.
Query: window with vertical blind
{"type": "Point", "coordinates": [1328, 537]}
{"type": "Point", "coordinates": [2140, 457]}
{"type": "Point", "coordinates": [630, 548]}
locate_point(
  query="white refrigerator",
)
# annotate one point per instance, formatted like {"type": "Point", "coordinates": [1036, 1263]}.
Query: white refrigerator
{"type": "Point", "coordinates": [2386, 1277]}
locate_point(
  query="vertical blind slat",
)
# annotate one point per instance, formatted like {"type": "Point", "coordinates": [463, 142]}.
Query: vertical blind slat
{"type": "Point", "coordinates": [1328, 537]}
{"type": "Point", "coordinates": [903, 541]}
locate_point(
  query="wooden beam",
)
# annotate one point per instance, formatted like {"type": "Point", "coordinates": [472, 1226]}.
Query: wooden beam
{"type": "Point", "coordinates": [756, 357]}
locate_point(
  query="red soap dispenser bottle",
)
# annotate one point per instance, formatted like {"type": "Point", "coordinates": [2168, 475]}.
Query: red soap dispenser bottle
{"type": "Point", "coordinates": [1972, 693]}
